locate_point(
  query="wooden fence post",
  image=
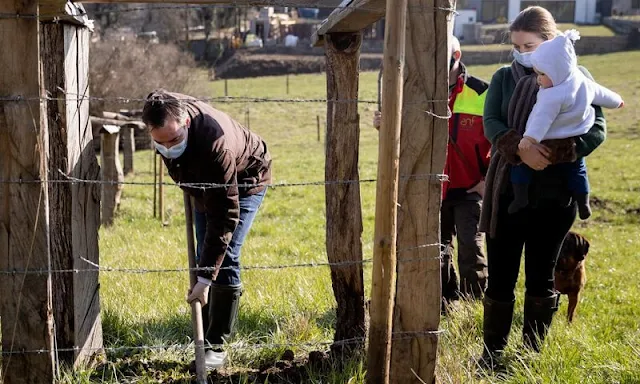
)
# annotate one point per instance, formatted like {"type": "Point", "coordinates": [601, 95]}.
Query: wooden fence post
{"type": "Point", "coordinates": [127, 132]}
{"type": "Point", "coordinates": [385, 236]}
{"type": "Point", "coordinates": [74, 208]}
{"type": "Point", "coordinates": [111, 172]}
{"type": "Point", "coordinates": [155, 183]}
{"type": "Point", "coordinates": [423, 144]}
{"type": "Point", "coordinates": [344, 214]}
{"type": "Point", "coordinates": [161, 189]}
{"type": "Point", "coordinates": [25, 300]}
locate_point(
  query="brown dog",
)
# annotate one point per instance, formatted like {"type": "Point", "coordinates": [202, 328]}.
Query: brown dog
{"type": "Point", "coordinates": [570, 274]}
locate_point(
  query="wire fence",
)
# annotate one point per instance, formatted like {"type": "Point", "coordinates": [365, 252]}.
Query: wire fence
{"type": "Point", "coordinates": [93, 267]}
{"type": "Point", "coordinates": [238, 346]}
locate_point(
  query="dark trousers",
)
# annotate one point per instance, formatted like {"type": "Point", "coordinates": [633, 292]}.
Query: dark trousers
{"type": "Point", "coordinates": [540, 231]}
{"type": "Point", "coordinates": [576, 174]}
{"type": "Point", "coordinates": [460, 217]}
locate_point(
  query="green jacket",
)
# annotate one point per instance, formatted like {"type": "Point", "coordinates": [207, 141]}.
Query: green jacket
{"type": "Point", "coordinates": [549, 185]}
{"type": "Point", "coordinates": [497, 105]}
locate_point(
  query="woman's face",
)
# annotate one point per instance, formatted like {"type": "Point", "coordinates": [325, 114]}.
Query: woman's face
{"type": "Point", "coordinates": [524, 42]}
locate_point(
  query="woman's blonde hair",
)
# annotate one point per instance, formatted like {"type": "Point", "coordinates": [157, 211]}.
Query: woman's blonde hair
{"type": "Point", "coordinates": [536, 20]}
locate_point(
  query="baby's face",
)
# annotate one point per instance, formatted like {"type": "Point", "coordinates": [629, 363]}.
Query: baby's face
{"type": "Point", "coordinates": [543, 80]}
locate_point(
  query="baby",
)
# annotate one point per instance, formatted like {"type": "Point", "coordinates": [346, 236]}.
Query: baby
{"type": "Point", "coordinates": [563, 110]}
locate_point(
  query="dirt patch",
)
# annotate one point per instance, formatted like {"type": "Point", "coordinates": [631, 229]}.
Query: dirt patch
{"type": "Point", "coordinates": [601, 204]}
{"type": "Point", "coordinates": [288, 369]}
{"type": "Point", "coordinates": [244, 64]}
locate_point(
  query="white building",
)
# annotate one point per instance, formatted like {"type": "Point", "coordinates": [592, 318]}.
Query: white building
{"type": "Point", "coordinates": [504, 11]}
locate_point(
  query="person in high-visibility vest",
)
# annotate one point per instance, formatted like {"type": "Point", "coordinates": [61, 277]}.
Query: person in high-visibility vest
{"type": "Point", "coordinates": [468, 155]}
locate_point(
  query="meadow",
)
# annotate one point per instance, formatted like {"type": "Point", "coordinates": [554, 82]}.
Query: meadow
{"type": "Point", "coordinates": [296, 306]}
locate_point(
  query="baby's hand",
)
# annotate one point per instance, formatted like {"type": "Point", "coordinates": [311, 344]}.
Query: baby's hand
{"type": "Point", "coordinates": [621, 104]}
{"type": "Point", "coordinates": [526, 143]}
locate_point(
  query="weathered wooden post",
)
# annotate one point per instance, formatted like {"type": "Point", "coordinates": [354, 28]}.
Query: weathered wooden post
{"type": "Point", "coordinates": [74, 208]}
{"type": "Point", "coordinates": [423, 146]}
{"type": "Point", "coordinates": [26, 305]}
{"type": "Point", "coordinates": [385, 236]}
{"type": "Point", "coordinates": [344, 215]}
{"type": "Point", "coordinates": [155, 182]}
{"type": "Point", "coordinates": [161, 188]}
{"type": "Point", "coordinates": [127, 132]}
{"type": "Point", "coordinates": [111, 173]}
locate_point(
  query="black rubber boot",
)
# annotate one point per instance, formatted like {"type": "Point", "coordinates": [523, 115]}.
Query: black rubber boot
{"type": "Point", "coordinates": [520, 198]}
{"type": "Point", "coordinates": [220, 317]}
{"type": "Point", "coordinates": [496, 326]}
{"type": "Point", "coordinates": [538, 315]}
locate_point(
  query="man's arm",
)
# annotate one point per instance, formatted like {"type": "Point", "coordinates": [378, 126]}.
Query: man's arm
{"type": "Point", "coordinates": [222, 208]}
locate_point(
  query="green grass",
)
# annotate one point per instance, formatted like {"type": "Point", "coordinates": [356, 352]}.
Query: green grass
{"type": "Point", "coordinates": [585, 30]}
{"type": "Point", "coordinates": [297, 305]}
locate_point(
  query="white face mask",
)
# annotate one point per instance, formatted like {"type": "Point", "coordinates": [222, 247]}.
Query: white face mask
{"type": "Point", "coordinates": [523, 59]}
{"type": "Point", "coordinates": [175, 151]}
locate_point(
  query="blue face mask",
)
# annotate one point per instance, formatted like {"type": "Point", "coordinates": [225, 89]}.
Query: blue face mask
{"type": "Point", "coordinates": [173, 152]}
{"type": "Point", "coordinates": [523, 59]}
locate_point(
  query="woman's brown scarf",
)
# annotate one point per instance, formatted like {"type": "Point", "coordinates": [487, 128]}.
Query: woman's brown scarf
{"type": "Point", "coordinates": [497, 179]}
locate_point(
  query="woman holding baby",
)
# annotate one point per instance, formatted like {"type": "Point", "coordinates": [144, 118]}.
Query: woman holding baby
{"type": "Point", "coordinates": [543, 116]}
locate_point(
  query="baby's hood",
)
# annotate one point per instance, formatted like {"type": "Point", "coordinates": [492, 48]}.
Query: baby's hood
{"type": "Point", "coordinates": [557, 57]}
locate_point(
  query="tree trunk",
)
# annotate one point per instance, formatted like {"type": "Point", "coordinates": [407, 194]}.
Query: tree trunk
{"type": "Point", "coordinates": [344, 216]}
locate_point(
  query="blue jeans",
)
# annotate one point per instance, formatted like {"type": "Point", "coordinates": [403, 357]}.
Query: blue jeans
{"type": "Point", "coordinates": [576, 174]}
{"type": "Point", "coordinates": [230, 268]}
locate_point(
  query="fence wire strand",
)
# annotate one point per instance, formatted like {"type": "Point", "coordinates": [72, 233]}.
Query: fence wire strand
{"type": "Point", "coordinates": [312, 264]}
{"type": "Point", "coordinates": [439, 177]}
{"type": "Point", "coordinates": [213, 99]}
{"type": "Point", "coordinates": [238, 346]}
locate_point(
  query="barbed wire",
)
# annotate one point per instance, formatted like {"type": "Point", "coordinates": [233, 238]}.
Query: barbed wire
{"type": "Point", "coordinates": [404, 335]}
{"type": "Point", "coordinates": [124, 8]}
{"type": "Point", "coordinates": [439, 177]}
{"type": "Point", "coordinates": [312, 264]}
{"type": "Point", "coordinates": [218, 99]}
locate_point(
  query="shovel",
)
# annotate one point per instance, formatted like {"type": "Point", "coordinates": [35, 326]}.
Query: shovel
{"type": "Point", "coordinates": [196, 305]}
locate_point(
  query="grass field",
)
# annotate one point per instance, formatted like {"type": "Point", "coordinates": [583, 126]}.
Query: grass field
{"type": "Point", "coordinates": [295, 306]}
{"type": "Point", "coordinates": [585, 30]}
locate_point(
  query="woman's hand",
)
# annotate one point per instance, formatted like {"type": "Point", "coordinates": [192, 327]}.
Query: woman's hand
{"type": "Point", "coordinates": [536, 156]}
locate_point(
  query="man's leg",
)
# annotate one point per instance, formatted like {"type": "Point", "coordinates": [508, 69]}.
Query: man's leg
{"type": "Point", "coordinates": [225, 292]}
{"type": "Point", "coordinates": [472, 263]}
{"type": "Point", "coordinates": [450, 288]}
